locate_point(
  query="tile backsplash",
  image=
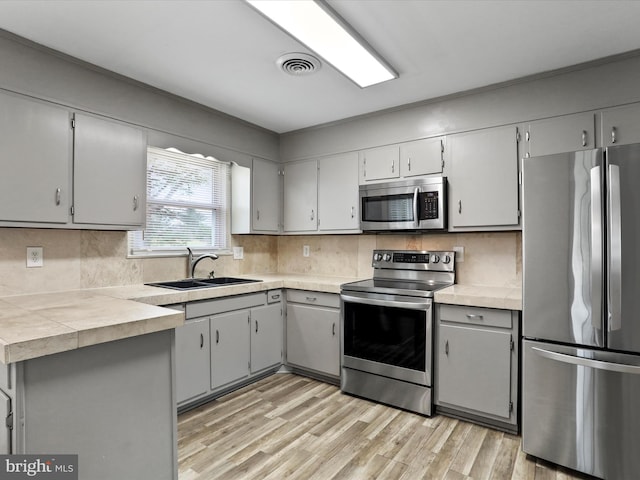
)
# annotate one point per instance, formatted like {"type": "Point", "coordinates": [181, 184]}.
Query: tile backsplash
{"type": "Point", "coordinates": [85, 258]}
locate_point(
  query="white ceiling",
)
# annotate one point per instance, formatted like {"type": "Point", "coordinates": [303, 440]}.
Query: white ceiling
{"type": "Point", "coordinates": [221, 53]}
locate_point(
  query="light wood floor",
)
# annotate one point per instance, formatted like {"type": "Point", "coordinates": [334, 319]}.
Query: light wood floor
{"type": "Point", "coordinates": [287, 426]}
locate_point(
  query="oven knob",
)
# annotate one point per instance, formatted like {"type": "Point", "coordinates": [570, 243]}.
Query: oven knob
{"type": "Point", "coordinates": [377, 257]}
{"type": "Point", "coordinates": [387, 257]}
{"type": "Point", "coordinates": [446, 259]}
{"type": "Point", "coordinates": [435, 259]}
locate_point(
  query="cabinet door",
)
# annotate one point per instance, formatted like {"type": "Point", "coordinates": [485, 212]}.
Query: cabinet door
{"type": "Point", "coordinates": [421, 157]}
{"type": "Point", "coordinates": [266, 337]}
{"type": "Point", "coordinates": [568, 133]}
{"type": "Point", "coordinates": [379, 163]}
{"type": "Point", "coordinates": [338, 193]}
{"type": "Point", "coordinates": [5, 430]}
{"type": "Point", "coordinates": [109, 172]}
{"type": "Point", "coordinates": [621, 125]}
{"type": "Point", "coordinates": [265, 185]}
{"type": "Point", "coordinates": [483, 178]}
{"type": "Point", "coordinates": [312, 338]}
{"type": "Point", "coordinates": [229, 347]}
{"type": "Point", "coordinates": [474, 369]}
{"type": "Point", "coordinates": [192, 359]}
{"type": "Point", "coordinates": [35, 157]}
{"type": "Point", "coordinates": [301, 196]}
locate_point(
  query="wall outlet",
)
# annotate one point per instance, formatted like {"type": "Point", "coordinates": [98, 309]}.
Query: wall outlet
{"type": "Point", "coordinates": [238, 253]}
{"type": "Point", "coordinates": [305, 250]}
{"type": "Point", "coordinates": [35, 257]}
{"type": "Point", "coordinates": [459, 254]}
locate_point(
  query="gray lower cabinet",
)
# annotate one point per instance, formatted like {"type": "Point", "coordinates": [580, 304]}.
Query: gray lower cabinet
{"type": "Point", "coordinates": [192, 359]}
{"type": "Point", "coordinates": [313, 337]}
{"type": "Point", "coordinates": [266, 336]}
{"type": "Point", "coordinates": [477, 364]}
{"type": "Point", "coordinates": [112, 404]}
{"type": "Point", "coordinates": [226, 342]}
{"type": "Point", "coordinates": [229, 347]}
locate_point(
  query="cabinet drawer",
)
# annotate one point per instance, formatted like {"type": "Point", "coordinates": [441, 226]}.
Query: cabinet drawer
{"type": "Point", "coordinates": [314, 298]}
{"type": "Point", "coordinates": [274, 296]}
{"type": "Point", "coordinates": [227, 304]}
{"type": "Point", "coordinates": [489, 317]}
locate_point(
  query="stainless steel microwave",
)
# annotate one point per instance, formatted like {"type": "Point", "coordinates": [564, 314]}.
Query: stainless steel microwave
{"type": "Point", "coordinates": [416, 204]}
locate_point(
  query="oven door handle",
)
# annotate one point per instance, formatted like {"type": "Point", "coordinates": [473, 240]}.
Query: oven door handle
{"type": "Point", "coordinates": [424, 304]}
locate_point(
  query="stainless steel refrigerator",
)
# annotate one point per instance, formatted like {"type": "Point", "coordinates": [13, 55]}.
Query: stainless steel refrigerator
{"type": "Point", "coordinates": [581, 310]}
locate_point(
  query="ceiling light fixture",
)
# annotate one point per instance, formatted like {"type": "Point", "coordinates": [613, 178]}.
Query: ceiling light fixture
{"type": "Point", "coordinates": [320, 29]}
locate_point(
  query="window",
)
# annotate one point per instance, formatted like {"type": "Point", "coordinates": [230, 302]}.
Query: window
{"type": "Point", "coordinates": [187, 204]}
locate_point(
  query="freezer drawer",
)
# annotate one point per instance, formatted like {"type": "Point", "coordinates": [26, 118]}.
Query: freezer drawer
{"type": "Point", "coordinates": [580, 409]}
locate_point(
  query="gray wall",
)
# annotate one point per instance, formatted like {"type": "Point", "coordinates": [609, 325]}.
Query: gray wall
{"type": "Point", "coordinates": [33, 70]}
{"type": "Point", "coordinates": [593, 86]}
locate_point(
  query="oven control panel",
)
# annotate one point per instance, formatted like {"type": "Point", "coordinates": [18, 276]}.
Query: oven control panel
{"type": "Point", "coordinates": [414, 260]}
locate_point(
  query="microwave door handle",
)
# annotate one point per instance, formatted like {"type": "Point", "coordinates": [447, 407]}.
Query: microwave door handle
{"type": "Point", "coordinates": [416, 218]}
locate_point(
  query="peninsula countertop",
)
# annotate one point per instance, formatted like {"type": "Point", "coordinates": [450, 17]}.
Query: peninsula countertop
{"type": "Point", "coordinates": [37, 324]}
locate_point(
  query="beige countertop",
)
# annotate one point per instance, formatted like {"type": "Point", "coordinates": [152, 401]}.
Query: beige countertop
{"type": "Point", "coordinates": [41, 324]}
{"type": "Point", "coordinates": [507, 298]}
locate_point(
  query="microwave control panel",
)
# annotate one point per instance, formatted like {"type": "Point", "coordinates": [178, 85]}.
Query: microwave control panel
{"type": "Point", "coordinates": [429, 203]}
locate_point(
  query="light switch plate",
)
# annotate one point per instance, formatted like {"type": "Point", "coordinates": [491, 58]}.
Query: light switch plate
{"type": "Point", "coordinates": [305, 250]}
{"type": "Point", "coordinates": [238, 253]}
{"type": "Point", "coordinates": [459, 254]}
{"type": "Point", "coordinates": [35, 257]}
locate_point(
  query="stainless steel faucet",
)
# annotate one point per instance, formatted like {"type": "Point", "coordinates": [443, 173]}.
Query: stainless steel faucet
{"type": "Point", "coordinates": [193, 263]}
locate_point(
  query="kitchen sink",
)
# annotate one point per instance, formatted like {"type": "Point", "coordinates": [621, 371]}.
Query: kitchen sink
{"type": "Point", "coordinates": [197, 283]}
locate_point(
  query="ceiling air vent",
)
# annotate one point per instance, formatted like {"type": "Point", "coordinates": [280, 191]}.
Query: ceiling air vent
{"type": "Point", "coordinates": [298, 64]}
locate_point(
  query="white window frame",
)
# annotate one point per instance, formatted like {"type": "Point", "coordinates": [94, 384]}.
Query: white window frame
{"type": "Point", "coordinates": [136, 244]}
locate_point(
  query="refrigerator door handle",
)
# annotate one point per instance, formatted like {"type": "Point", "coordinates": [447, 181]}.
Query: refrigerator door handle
{"type": "Point", "coordinates": [615, 250]}
{"type": "Point", "coordinates": [596, 248]}
{"type": "Point", "coordinates": [587, 362]}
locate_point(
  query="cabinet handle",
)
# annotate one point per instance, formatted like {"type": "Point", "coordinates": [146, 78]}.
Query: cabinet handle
{"type": "Point", "coordinates": [474, 317]}
{"type": "Point", "coordinates": [201, 340]}
{"type": "Point", "coordinates": [275, 297]}
{"type": "Point", "coordinates": [333, 329]}
{"type": "Point", "coordinates": [459, 206]}
{"type": "Point", "coordinates": [135, 203]}
{"type": "Point", "coordinates": [313, 214]}
{"type": "Point", "coordinates": [584, 138]}
{"type": "Point", "coordinates": [614, 132]}
{"type": "Point", "coordinates": [256, 326]}
{"type": "Point", "coordinates": [257, 214]}
{"type": "Point", "coordinates": [311, 299]}
{"type": "Point", "coordinates": [353, 212]}
{"type": "Point", "coordinates": [217, 336]}
{"type": "Point", "coordinates": [393, 166]}
{"type": "Point", "coordinates": [58, 195]}
{"type": "Point", "coordinates": [446, 348]}
{"type": "Point", "coordinates": [409, 163]}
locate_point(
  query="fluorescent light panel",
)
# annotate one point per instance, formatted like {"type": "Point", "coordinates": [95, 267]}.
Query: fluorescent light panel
{"type": "Point", "coordinates": [315, 27]}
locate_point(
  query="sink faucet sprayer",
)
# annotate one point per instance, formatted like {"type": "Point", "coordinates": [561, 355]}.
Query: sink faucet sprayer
{"type": "Point", "coordinates": [193, 263]}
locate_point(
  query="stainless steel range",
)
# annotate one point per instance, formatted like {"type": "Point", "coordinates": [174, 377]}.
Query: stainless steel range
{"type": "Point", "coordinates": [387, 328]}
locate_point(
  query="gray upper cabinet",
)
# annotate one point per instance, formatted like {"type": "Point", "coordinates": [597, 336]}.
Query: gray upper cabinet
{"type": "Point", "coordinates": [35, 155]}
{"type": "Point", "coordinates": [482, 171]}
{"type": "Point", "coordinates": [301, 196]}
{"type": "Point", "coordinates": [109, 182]}
{"type": "Point", "coordinates": [379, 163]}
{"type": "Point", "coordinates": [422, 157]}
{"type": "Point", "coordinates": [621, 125]}
{"type": "Point", "coordinates": [568, 133]}
{"type": "Point", "coordinates": [265, 189]}
{"type": "Point", "coordinates": [338, 193]}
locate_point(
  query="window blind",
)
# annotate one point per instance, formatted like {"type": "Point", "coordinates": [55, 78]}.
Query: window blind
{"type": "Point", "coordinates": [188, 198]}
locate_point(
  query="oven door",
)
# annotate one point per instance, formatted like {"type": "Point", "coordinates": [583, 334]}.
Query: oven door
{"type": "Point", "coordinates": [388, 335]}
